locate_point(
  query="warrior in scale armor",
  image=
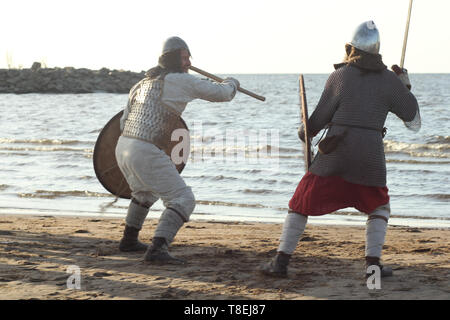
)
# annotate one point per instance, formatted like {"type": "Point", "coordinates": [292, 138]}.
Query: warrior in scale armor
{"type": "Point", "coordinates": [155, 104]}
{"type": "Point", "coordinates": [354, 105]}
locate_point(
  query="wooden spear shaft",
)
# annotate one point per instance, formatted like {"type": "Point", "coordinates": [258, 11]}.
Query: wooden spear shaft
{"type": "Point", "coordinates": [304, 115]}
{"type": "Point", "coordinates": [218, 79]}
{"type": "Point", "coordinates": [405, 39]}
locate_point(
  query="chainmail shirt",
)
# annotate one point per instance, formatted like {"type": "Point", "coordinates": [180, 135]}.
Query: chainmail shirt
{"type": "Point", "coordinates": [155, 105]}
{"type": "Point", "coordinates": [147, 118]}
{"type": "Point", "coordinates": [354, 101]}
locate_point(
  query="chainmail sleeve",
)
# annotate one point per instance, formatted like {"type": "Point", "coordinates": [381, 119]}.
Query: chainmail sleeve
{"type": "Point", "coordinates": [327, 105]}
{"type": "Point", "coordinates": [416, 123]}
{"type": "Point", "coordinates": [404, 105]}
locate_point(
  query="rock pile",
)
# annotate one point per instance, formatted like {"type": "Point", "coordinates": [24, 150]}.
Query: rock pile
{"type": "Point", "coordinates": [66, 80]}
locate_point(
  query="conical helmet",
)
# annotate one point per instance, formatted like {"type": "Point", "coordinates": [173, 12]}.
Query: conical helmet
{"type": "Point", "coordinates": [174, 43]}
{"type": "Point", "coordinates": [367, 38]}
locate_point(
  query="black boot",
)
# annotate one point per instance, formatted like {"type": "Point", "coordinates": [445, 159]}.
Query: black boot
{"type": "Point", "coordinates": [130, 241]}
{"type": "Point", "coordinates": [277, 267]}
{"type": "Point", "coordinates": [385, 271]}
{"type": "Point", "coordinates": [157, 253]}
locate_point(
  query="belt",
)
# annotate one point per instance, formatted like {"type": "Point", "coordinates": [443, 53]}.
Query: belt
{"type": "Point", "coordinates": [382, 131]}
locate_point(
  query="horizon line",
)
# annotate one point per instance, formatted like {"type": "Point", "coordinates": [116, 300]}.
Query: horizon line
{"type": "Point", "coordinates": [219, 73]}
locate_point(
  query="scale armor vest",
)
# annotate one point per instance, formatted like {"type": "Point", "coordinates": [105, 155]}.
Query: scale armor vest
{"type": "Point", "coordinates": [148, 119]}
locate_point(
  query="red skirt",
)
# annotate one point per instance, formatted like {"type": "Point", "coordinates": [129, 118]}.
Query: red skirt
{"type": "Point", "coordinates": [317, 196]}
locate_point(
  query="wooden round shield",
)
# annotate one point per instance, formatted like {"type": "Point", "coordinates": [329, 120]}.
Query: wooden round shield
{"type": "Point", "coordinates": [105, 164]}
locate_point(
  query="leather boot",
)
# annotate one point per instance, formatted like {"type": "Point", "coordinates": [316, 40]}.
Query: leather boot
{"type": "Point", "coordinates": [157, 253]}
{"type": "Point", "coordinates": [385, 271]}
{"type": "Point", "coordinates": [130, 242]}
{"type": "Point", "coordinates": [277, 267]}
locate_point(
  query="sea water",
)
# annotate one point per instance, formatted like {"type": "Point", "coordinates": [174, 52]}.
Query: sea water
{"type": "Point", "coordinates": [245, 162]}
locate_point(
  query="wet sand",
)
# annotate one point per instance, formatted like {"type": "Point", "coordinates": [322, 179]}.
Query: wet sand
{"type": "Point", "coordinates": [223, 258]}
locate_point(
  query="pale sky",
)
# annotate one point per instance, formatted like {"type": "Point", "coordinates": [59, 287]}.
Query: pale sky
{"type": "Point", "coordinates": [225, 37]}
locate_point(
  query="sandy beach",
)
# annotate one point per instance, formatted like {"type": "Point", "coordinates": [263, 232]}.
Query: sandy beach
{"type": "Point", "coordinates": [36, 253]}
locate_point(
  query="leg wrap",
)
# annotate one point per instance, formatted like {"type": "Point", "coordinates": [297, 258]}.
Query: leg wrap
{"type": "Point", "coordinates": [168, 226]}
{"type": "Point", "coordinates": [376, 230]}
{"type": "Point", "coordinates": [136, 214]}
{"type": "Point", "coordinates": [293, 228]}
{"type": "Point", "coordinates": [181, 201]}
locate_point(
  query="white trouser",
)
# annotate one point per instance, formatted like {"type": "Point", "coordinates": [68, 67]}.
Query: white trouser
{"type": "Point", "coordinates": [293, 228]}
{"type": "Point", "coordinates": [376, 226]}
{"type": "Point", "coordinates": [151, 175]}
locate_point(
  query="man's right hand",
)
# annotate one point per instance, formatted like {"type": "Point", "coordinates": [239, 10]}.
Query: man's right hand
{"type": "Point", "coordinates": [301, 133]}
{"type": "Point", "coordinates": [402, 74]}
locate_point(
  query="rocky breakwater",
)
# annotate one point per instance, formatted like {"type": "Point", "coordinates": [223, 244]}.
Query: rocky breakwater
{"type": "Point", "coordinates": [66, 80]}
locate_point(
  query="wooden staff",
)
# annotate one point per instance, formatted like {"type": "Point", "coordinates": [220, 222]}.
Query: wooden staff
{"type": "Point", "coordinates": [218, 79]}
{"type": "Point", "coordinates": [405, 39]}
{"type": "Point", "coordinates": [304, 115]}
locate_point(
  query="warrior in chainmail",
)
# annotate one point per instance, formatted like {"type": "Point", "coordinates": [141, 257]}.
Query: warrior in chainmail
{"type": "Point", "coordinates": [154, 105]}
{"type": "Point", "coordinates": [354, 105]}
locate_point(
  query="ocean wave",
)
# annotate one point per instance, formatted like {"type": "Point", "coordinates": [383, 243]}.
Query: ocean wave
{"type": "Point", "coordinates": [229, 204]}
{"type": "Point", "coordinates": [243, 179]}
{"type": "Point", "coordinates": [220, 147]}
{"type": "Point", "coordinates": [289, 150]}
{"type": "Point", "coordinates": [258, 191]}
{"type": "Point", "coordinates": [88, 178]}
{"type": "Point", "coordinates": [213, 177]}
{"type": "Point", "coordinates": [438, 196]}
{"type": "Point", "coordinates": [46, 149]}
{"type": "Point", "coordinates": [285, 210]}
{"type": "Point", "coordinates": [42, 141]}
{"type": "Point", "coordinates": [439, 148]}
{"type": "Point", "coordinates": [397, 216]}
{"type": "Point", "coordinates": [46, 194]}
{"type": "Point", "coordinates": [416, 161]}
{"type": "Point", "coordinates": [222, 177]}
{"type": "Point", "coordinates": [14, 153]}
{"type": "Point", "coordinates": [431, 150]}
{"type": "Point", "coordinates": [438, 139]}
{"type": "Point", "coordinates": [270, 152]}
